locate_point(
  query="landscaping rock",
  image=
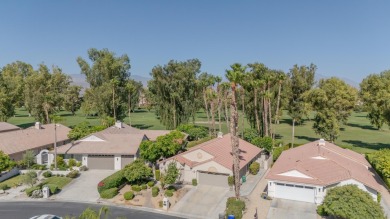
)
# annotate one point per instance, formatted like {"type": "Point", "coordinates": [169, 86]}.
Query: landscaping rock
{"type": "Point", "coordinates": [2, 191]}
{"type": "Point", "coordinates": [37, 194]}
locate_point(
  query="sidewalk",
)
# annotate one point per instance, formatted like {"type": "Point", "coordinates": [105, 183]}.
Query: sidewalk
{"type": "Point", "coordinates": [254, 201]}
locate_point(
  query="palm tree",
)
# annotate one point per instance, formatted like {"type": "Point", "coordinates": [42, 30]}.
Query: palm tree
{"type": "Point", "coordinates": [235, 76]}
{"type": "Point", "coordinates": [280, 77]}
{"type": "Point", "coordinates": [218, 80]}
{"type": "Point", "coordinates": [55, 119]}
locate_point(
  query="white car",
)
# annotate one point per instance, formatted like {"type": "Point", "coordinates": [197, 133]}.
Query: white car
{"type": "Point", "coordinates": [46, 216]}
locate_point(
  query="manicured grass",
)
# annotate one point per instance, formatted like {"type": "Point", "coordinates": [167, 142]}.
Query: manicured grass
{"type": "Point", "coordinates": [358, 135]}
{"type": "Point", "coordinates": [14, 181]}
{"type": "Point", "coordinates": [60, 181]}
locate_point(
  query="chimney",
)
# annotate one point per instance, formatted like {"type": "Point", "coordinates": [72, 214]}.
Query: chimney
{"type": "Point", "coordinates": [220, 135]}
{"type": "Point", "coordinates": [38, 125]}
{"type": "Point", "coordinates": [118, 124]}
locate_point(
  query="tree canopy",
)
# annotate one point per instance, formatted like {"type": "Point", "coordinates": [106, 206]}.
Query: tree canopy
{"type": "Point", "coordinates": [375, 94]}
{"type": "Point", "coordinates": [165, 146]}
{"type": "Point", "coordinates": [107, 77]}
{"type": "Point", "coordinates": [174, 88]}
{"type": "Point", "coordinates": [350, 202]}
{"type": "Point", "coordinates": [137, 171]}
{"type": "Point", "coordinates": [333, 102]}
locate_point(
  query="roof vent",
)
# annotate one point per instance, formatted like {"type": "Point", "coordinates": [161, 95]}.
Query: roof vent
{"type": "Point", "coordinates": [118, 124]}
{"type": "Point", "coordinates": [38, 125]}
{"type": "Point", "coordinates": [220, 135]}
{"type": "Point", "coordinates": [321, 142]}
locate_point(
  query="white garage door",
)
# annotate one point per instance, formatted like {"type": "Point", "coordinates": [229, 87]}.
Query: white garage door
{"type": "Point", "coordinates": [213, 179]}
{"type": "Point", "coordinates": [294, 192]}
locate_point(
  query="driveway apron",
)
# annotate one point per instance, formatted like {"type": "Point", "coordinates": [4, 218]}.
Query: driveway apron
{"type": "Point", "coordinates": [84, 188]}
{"type": "Point", "coordinates": [282, 208]}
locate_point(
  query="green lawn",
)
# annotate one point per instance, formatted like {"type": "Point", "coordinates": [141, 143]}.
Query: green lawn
{"type": "Point", "coordinates": [60, 181]}
{"type": "Point", "coordinates": [358, 134]}
{"type": "Point", "coordinates": [12, 182]}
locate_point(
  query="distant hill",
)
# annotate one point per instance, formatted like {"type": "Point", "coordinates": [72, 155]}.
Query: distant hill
{"type": "Point", "coordinates": [80, 80]}
{"type": "Point", "coordinates": [354, 84]}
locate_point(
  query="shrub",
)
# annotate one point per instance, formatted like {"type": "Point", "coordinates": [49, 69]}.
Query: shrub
{"type": "Point", "coordinates": [339, 201]}
{"type": "Point", "coordinates": [136, 188]}
{"type": "Point", "coordinates": [128, 195]}
{"type": "Point", "coordinates": [115, 180]}
{"type": "Point", "coordinates": [378, 197]}
{"type": "Point", "coordinates": [157, 175]}
{"type": "Point", "coordinates": [169, 193]}
{"type": "Point", "coordinates": [73, 174]}
{"type": "Point", "coordinates": [235, 207]}
{"type": "Point", "coordinates": [47, 174]}
{"type": "Point", "coordinates": [160, 204]}
{"type": "Point", "coordinates": [254, 168]}
{"type": "Point", "coordinates": [38, 167]}
{"type": "Point", "coordinates": [29, 191]}
{"type": "Point", "coordinates": [53, 188]}
{"type": "Point", "coordinates": [278, 151]}
{"type": "Point", "coordinates": [230, 180]}
{"type": "Point", "coordinates": [155, 191]}
{"type": "Point", "coordinates": [172, 188]}
{"type": "Point", "coordinates": [4, 187]}
{"type": "Point", "coordinates": [150, 184]}
{"type": "Point", "coordinates": [144, 187]}
{"type": "Point", "coordinates": [72, 162]}
{"type": "Point", "coordinates": [109, 193]}
{"type": "Point", "coordinates": [78, 164]}
{"type": "Point", "coordinates": [83, 168]}
{"type": "Point", "coordinates": [194, 182]}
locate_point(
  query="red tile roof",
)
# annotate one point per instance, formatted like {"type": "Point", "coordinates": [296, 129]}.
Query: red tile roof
{"type": "Point", "coordinates": [338, 165]}
{"type": "Point", "coordinates": [221, 150]}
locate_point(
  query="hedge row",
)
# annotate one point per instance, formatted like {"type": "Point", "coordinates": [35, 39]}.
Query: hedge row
{"type": "Point", "coordinates": [109, 193]}
{"type": "Point", "coordinates": [113, 181]}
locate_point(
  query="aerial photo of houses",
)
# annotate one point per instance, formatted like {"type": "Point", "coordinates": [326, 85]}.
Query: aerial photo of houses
{"type": "Point", "coordinates": [194, 109]}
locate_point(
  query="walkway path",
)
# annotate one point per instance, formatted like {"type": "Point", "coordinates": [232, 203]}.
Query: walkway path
{"type": "Point", "coordinates": [254, 201]}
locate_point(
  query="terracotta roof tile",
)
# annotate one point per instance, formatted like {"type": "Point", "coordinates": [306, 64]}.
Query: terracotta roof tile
{"type": "Point", "coordinates": [220, 149]}
{"type": "Point", "coordinates": [337, 164]}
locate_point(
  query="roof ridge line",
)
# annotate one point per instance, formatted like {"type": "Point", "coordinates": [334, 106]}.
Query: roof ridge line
{"type": "Point", "coordinates": [347, 157]}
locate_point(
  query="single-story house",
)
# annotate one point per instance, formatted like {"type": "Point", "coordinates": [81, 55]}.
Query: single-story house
{"type": "Point", "coordinates": [7, 127]}
{"type": "Point", "coordinates": [39, 139]}
{"type": "Point", "coordinates": [112, 148]}
{"type": "Point", "coordinates": [305, 173]}
{"type": "Point", "coordinates": [212, 162]}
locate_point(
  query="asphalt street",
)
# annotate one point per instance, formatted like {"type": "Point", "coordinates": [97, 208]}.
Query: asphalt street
{"type": "Point", "coordinates": [25, 210]}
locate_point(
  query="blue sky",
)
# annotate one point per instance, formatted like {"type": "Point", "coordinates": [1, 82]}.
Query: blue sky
{"type": "Point", "coordinates": [348, 39]}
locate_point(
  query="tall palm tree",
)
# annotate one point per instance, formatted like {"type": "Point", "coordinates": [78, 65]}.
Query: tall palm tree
{"type": "Point", "coordinates": [235, 76]}
{"type": "Point", "coordinates": [280, 77]}
{"type": "Point", "coordinates": [219, 94]}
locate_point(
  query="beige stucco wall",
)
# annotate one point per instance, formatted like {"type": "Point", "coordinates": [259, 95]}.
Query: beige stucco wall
{"type": "Point", "coordinates": [198, 156]}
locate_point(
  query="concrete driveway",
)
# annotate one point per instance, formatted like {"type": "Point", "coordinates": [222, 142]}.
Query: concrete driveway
{"type": "Point", "coordinates": [282, 208]}
{"type": "Point", "coordinates": [84, 188]}
{"type": "Point", "coordinates": [203, 202]}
